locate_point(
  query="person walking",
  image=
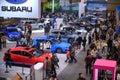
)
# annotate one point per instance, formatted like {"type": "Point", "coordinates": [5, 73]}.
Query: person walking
{"type": "Point", "coordinates": [90, 39]}
{"type": "Point", "coordinates": [4, 41]}
{"type": "Point", "coordinates": [81, 77]}
{"type": "Point", "coordinates": [0, 43]}
{"type": "Point", "coordinates": [110, 44]}
{"type": "Point", "coordinates": [8, 60]}
{"type": "Point", "coordinates": [84, 43]}
{"type": "Point", "coordinates": [53, 77]}
{"type": "Point", "coordinates": [54, 63]}
{"type": "Point", "coordinates": [72, 54]}
{"type": "Point", "coordinates": [47, 65]}
{"type": "Point", "coordinates": [79, 41]}
{"type": "Point", "coordinates": [29, 29]}
{"type": "Point", "coordinates": [88, 63]}
{"type": "Point", "coordinates": [17, 41]}
{"type": "Point", "coordinates": [67, 56]}
{"type": "Point", "coordinates": [47, 29]}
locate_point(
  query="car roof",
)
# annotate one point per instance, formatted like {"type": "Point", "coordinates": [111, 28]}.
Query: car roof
{"type": "Point", "coordinates": [21, 49]}
{"type": "Point", "coordinates": [43, 38]}
{"type": "Point", "coordinates": [57, 31]}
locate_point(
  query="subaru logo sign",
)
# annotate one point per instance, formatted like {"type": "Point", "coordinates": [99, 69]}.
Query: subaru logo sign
{"type": "Point", "coordinates": [16, 1]}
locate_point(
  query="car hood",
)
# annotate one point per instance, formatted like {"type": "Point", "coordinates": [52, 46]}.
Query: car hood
{"type": "Point", "coordinates": [73, 35]}
{"type": "Point", "coordinates": [14, 33]}
{"type": "Point", "coordinates": [82, 30]}
{"type": "Point", "coordinates": [42, 58]}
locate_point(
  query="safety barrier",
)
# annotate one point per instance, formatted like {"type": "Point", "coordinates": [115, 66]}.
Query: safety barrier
{"type": "Point", "coordinates": [23, 65]}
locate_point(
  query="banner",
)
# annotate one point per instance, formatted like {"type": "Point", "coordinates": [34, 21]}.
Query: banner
{"type": "Point", "coordinates": [20, 8]}
{"type": "Point", "coordinates": [96, 6]}
{"type": "Point", "coordinates": [118, 12]}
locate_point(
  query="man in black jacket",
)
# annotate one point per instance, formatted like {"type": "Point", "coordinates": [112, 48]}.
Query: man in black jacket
{"type": "Point", "coordinates": [79, 40]}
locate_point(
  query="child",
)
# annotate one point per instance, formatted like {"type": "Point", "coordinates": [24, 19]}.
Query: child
{"type": "Point", "coordinates": [68, 56]}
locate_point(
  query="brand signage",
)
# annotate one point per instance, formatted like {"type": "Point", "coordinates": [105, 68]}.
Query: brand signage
{"type": "Point", "coordinates": [16, 1]}
{"type": "Point", "coordinates": [20, 8]}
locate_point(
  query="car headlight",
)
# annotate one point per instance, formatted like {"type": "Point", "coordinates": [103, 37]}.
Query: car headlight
{"type": "Point", "coordinates": [10, 35]}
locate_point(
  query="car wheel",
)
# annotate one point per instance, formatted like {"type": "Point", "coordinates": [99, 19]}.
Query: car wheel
{"type": "Point", "coordinates": [59, 50]}
{"type": "Point", "coordinates": [40, 27]}
{"type": "Point", "coordinates": [70, 40]}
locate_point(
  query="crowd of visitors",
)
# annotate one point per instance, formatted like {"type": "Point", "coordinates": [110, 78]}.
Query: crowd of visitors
{"type": "Point", "coordinates": [103, 42]}
{"type": "Point", "coordinates": [50, 66]}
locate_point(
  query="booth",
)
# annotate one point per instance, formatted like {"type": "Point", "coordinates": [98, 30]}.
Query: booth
{"type": "Point", "coordinates": [36, 72]}
{"type": "Point", "coordinates": [118, 19]}
{"type": "Point", "coordinates": [102, 64]}
{"type": "Point", "coordinates": [98, 8]}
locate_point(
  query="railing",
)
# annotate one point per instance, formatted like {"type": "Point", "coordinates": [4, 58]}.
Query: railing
{"type": "Point", "coordinates": [10, 63]}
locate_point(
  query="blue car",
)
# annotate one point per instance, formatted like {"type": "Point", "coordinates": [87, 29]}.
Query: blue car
{"type": "Point", "coordinates": [55, 45]}
{"type": "Point", "coordinates": [12, 33]}
{"type": "Point", "coordinates": [67, 36]}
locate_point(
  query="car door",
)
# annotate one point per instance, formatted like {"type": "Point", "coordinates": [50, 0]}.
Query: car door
{"type": "Point", "coordinates": [54, 45]}
{"type": "Point", "coordinates": [27, 58]}
{"type": "Point", "coordinates": [34, 25]}
{"type": "Point", "coordinates": [16, 56]}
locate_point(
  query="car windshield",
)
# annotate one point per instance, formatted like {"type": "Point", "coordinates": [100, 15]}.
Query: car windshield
{"type": "Point", "coordinates": [93, 20]}
{"type": "Point", "coordinates": [55, 41]}
{"type": "Point", "coordinates": [69, 29]}
{"type": "Point", "coordinates": [37, 53]}
{"type": "Point", "coordinates": [12, 30]}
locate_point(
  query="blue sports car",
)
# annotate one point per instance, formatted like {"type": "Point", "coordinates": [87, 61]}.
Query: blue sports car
{"type": "Point", "coordinates": [12, 33]}
{"type": "Point", "coordinates": [52, 44]}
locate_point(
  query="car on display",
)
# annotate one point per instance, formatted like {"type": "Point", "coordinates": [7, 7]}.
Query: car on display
{"type": "Point", "coordinates": [81, 23]}
{"type": "Point", "coordinates": [11, 32]}
{"type": "Point", "coordinates": [82, 32]}
{"type": "Point", "coordinates": [35, 25]}
{"type": "Point", "coordinates": [92, 21]}
{"type": "Point", "coordinates": [66, 36]}
{"type": "Point", "coordinates": [55, 45]}
{"type": "Point", "coordinates": [68, 28]}
{"type": "Point", "coordinates": [26, 56]}
{"type": "Point", "coordinates": [78, 30]}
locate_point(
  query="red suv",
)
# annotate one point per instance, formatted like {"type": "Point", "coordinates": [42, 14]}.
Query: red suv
{"type": "Point", "coordinates": [27, 56]}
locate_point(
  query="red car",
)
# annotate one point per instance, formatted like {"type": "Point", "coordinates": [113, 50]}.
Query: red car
{"type": "Point", "coordinates": [27, 56]}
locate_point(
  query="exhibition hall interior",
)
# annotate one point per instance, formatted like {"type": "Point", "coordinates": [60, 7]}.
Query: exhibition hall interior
{"type": "Point", "coordinates": [59, 39]}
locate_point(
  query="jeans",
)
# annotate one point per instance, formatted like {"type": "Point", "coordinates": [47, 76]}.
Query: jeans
{"type": "Point", "coordinates": [73, 58]}
{"type": "Point", "coordinates": [88, 68]}
{"type": "Point", "coordinates": [48, 72]}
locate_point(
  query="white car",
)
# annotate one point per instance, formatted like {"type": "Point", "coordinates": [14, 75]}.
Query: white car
{"type": "Point", "coordinates": [47, 20]}
{"type": "Point", "coordinates": [82, 32]}
{"type": "Point", "coordinates": [64, 26]}
{"type": "Point", "coordinates": [35, 25]}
